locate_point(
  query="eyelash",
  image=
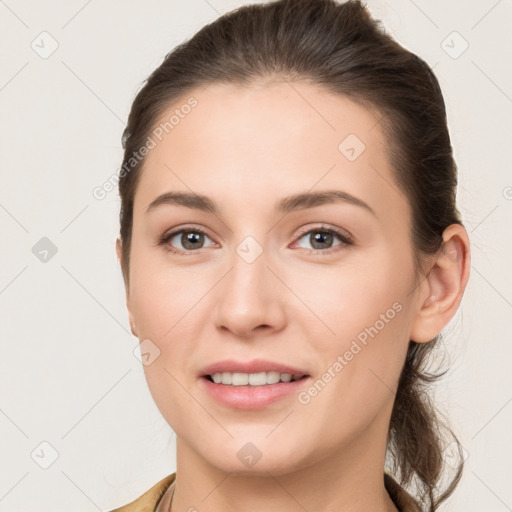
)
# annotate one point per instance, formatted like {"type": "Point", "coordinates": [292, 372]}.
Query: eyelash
{"type": "Point", "coordinates": [345, 238]}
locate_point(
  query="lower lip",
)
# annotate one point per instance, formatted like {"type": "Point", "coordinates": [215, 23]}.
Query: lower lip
{"type": "Point", "coordinates": [251, 397]}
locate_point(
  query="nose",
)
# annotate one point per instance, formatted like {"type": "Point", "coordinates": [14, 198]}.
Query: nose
{"type": "Point", "coordinates": [250, 298]}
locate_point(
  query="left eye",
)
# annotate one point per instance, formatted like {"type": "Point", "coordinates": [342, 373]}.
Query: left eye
{"type": "Point", "coordinates": [322, 238]}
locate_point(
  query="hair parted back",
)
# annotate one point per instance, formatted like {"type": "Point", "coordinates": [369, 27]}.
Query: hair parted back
{"type": "Point", "coordinates": [341, 48]}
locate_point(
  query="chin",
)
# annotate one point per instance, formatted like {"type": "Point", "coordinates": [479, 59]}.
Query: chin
{"type": "Point", "coordinates": [255, 456]}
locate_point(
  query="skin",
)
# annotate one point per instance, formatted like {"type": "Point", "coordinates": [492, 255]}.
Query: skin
{"type": "Point", "coordinates": [246, 148]}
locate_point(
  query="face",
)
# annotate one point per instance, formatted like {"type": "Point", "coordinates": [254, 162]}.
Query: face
{"type": "Point", "coordinates": [317, 286]}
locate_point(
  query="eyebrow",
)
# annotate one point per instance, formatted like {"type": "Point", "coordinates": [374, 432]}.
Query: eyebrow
{"type": "Point", "coordinates": [286, 205]}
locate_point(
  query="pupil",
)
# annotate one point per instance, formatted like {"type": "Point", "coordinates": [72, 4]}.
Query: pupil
{"type": "Point", "coordinates": [192, 238]}
{"type": "Point", "coordinates": [325, 236]}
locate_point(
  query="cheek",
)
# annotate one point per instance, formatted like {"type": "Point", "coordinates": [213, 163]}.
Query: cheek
{"type": "Point", "coordinates": [159, 297]}
{"type": "Point", "coordinates": [358, 326]}
{"type": "Point", "coordinates": [340, 302]}
{"type": "Point", "coordinates": [165, 305]}
{"type": "Point", "coordinates": [163, 308]}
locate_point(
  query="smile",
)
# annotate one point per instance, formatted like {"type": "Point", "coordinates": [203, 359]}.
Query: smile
{"type": "Point", "coordinates": [252, 379]}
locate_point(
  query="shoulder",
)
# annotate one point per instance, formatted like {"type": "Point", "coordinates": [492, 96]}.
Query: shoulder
{"type": "Point", "coordinates": [401, 498]}
{"type": "Point", "coordinates": [148, 501]}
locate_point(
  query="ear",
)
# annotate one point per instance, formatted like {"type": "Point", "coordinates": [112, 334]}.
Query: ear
{"type": "Point", "coordinates": [119, 251]}
{"type": "Point", "coordinates": [443, 287]}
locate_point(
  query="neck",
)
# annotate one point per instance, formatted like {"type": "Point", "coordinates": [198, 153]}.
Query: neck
{"type": "Point", "coordinates": [350, 479]}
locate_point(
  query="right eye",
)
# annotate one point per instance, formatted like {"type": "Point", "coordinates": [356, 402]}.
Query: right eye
{"type": "Point", "coordinates": [189, 240]}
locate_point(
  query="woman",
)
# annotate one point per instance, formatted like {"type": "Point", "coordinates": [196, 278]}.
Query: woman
{"type": "Point", "coordinates": [291, 250]}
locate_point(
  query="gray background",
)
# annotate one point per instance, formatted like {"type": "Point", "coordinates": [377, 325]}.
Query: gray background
{"type": "Point", "coordinates": [68, 375]}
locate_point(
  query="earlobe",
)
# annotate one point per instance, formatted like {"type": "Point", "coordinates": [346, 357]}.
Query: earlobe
{"type": "Point", "coordinates": [444, 286]}
{"type": "Point", "coordinates": [132, 327]}
{"type": "Point", "coordinates": [119, 253]}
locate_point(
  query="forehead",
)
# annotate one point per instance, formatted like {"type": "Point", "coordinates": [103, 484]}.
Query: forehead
{"type": "Point", "coordinates": [270, 119]}
{"type": "Point", "coordinates": [244, 142]}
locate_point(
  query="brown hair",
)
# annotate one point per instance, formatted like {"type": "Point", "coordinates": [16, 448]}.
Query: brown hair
{"type": "Point", "coordinates": [340, 47]}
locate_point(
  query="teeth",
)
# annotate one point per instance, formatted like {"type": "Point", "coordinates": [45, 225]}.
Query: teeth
{"type": "Point", "coordinates": [252, 379]}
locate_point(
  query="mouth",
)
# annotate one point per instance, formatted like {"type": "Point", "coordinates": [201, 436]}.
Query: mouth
{"type": "Point", "coordinates": [253, 379]}
{"type": "Point", "coordinates": [253, 384]}
{"type": "Point", "coordinates": [255, 390]}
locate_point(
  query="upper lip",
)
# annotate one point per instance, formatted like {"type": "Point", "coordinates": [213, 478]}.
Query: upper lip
{"type": "Point", "coordinates": [254, 366]}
